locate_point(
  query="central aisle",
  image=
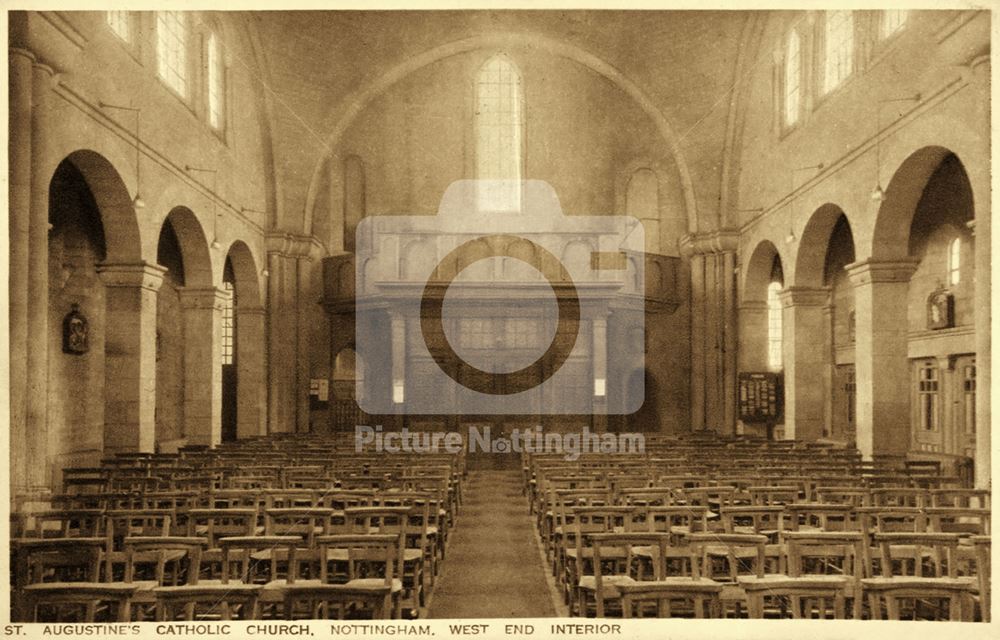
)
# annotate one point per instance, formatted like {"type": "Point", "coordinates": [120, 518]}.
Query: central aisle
{"type": "Point", "coordinates": [493, 567]}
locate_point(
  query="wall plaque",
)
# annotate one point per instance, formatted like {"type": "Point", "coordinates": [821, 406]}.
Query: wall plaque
{"type": "Point", "coordinates": [75, 332]}
{"type": "Point", "coordinates": [941, 310]}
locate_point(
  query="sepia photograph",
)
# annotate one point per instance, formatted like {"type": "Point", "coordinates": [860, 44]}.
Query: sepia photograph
{"type": "Point", "coordinates": [508, 322]}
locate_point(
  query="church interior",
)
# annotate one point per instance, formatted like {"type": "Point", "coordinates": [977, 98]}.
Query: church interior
{"type": "Point", "coordinates": [194, 337]}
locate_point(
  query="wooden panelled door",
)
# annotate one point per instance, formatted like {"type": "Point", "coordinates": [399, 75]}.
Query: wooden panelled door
{"type": "Point", "coordinates": [944, 405]}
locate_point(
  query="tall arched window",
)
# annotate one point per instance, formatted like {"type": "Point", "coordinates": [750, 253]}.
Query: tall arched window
{"type": "Point", "coordinates": [838, 48]}
{"type": "Point", "coordinates": [892, 21]}
{"type": "Point", "coordinates": [774, 359]}
{"type": "Point", "coordinates": [215, 78]}
{"type": "Point", "coordinates": [171, 49]}
{"type": "Point", "coordinates": [793, 76]}
{"type": "Point", "coordinates": [955, 261]}
{"type": "Point", "coordinates": [499, 123]}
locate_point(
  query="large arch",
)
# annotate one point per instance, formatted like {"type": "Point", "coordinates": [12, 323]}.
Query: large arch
{"type": "Point", "coordinates": [355, 104]}
{"type": "Point", "coordinates": [891, 236]}
{"type": "Point", "coordinates": [810, 259]}
{"type": "Point", "coordinates": [244, 387]}
{"type": "Point", "coordinates": [758, 272]}
{"type": "Point", "coordinates": [121, 228]}
{"type": "Point", "coordinates": [193, 246]}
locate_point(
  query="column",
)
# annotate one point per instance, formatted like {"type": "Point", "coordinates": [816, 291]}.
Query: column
{"type": "Point", "coordinates": [804, 360]}
{"type": "Point", "coordinates": [38, 281]}
{"type": "Point", "coordinates": [20, 65]}
{"type": "Point", "coordinates": [711, 346]}
{"type": "Point", "coordinates": [729, 342]}
{"type": "Point", "coordinates": [980, 177]}
{"type": "Point", "coordinates": [130, 356]}
{"type": "Point", "coordinates": [201, 309]}
{"type": "Point", "coordinates": [305, 304]}
{"type": "Point", "coordinates": [398, 336]}
{"type": "Point", "coordinates": [882, 371]}
{"type": "Point", "coordinates": [251, 377]}
{"type": "Point", "coordinates": [274, 334]}
{"type": "Point", "coordinates": [828, 371]}
{"type": "Point", "coordinates": [599, 390]}
{"type": "Point", "coordinates": [697, 342]}
{"type": "Point", "coordinates": [753, 336]}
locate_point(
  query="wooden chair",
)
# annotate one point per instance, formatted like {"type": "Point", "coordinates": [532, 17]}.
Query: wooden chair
{"type": "Point", "coordinates": [369, 582]}
{"type": "Point", "coordinates": [175, 560]}
{"type": "Point", "coordinates": [981, 544]}
{"type": "Point", "coordinates": [630, 595]}
{"type": "Point", "coordinates": [724, 557]}
{"type": "Point", "coordinates": [894, 585]}
{"type": "Point", "coordinates": [68, 523]}
{"type": "Point", "coordinates": [215, 524]}
{"type": "Point", "coordinates": [823, 570]}
{"type": "Point", "coordinates": [396, 520]}
{"type": "Point", "coordinates": [51, 574]}
{"type": "Point", "coordinates": [577, 551]}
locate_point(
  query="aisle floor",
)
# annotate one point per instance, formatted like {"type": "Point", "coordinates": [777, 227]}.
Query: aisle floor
{"type": "Point", "coordinates": [493, 568]}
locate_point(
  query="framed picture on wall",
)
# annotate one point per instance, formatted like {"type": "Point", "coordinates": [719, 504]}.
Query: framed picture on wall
{"type": "Point", "coordinates": [940, 310]}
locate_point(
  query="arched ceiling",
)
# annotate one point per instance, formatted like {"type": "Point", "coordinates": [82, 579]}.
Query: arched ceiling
{"type": "Point", "coordinates": [683, 62]}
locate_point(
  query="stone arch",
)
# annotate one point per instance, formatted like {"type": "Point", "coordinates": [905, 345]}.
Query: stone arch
{"type": "Point", "coordinates": [810, 259]}
{"type": "Point", "coordinates": [353, 105]}
{"type": "Point", "coordinates": [121, 228]}
{"type": "Point", "coordinates": [758, 271]}
{"type": "Point", "coordinates": [193, 245]}
{"type": "Point", "coordinates": [890, 238]}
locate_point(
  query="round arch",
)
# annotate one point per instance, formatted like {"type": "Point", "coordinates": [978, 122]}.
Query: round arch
{"type": "Point", "coordinates": [810, 259]}
{"type": "Point", "coordinates": [245, 273]}
{"type": "Point", "coordinates": [356, 103]}
{"type": "Point", "coordinates": [758, 271]}
{"type": "Point", "coordinates": [891, 236]}
{"type": "Point", "coordinates": [194, 247]}
{"type": "Point", "coordinates": [121, 228]}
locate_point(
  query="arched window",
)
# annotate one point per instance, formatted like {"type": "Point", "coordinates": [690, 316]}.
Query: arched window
{"type": "Point", "coordinates": [892, 21]}
{"type": "Point", "coordinates": [955, 261]}
{"type": "Point", "coordinates": [171, 49]}
{"type": "Point", "coordinates": [215, 77]}
{"type": "Point", "coordinates": [229, 316]}
{"type": "Point", "coordinates": [499, 125]}
{"type": "Point", "coordinates": [793, 76]}
{"type": "Point", "coordinates": [120, 24]}
{"type": "Point", "coordinates": [838, 48]}
{"type": "Point", "coordinates": [774, 359]}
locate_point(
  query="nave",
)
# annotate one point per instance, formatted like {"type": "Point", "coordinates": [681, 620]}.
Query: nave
{"type": "Point", "coordinates": [704, 527]}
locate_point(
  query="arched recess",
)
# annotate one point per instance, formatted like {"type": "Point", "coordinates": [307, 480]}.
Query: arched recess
{"type": "Point", "coordinates": [355, 104]}
{"type": "Point", "coordinates": [937, 351]}
{"type": "Point", "coordinates": [243, 366]}
{"type": "Point", "coordinates": [121, 228]}
{"type": "Point", "coordinates": [642, 201]}
{"type": "Point", "coordinates": [763, 268]}
{"type": "Point", "coordinates": [77, 349]}
{"type": "Point", "coordinates": [810, 257]}
{"type": "Point", "coordinates": [188, 337]}
{"type": "Point", "coordinates": [807, 354]}
{"type": "Point", "coordinates": [95, 263]}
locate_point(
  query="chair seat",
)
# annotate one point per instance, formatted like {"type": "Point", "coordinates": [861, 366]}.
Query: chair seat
{"type": "Point", "coordinates": [780, 581]}
{"type": "Point", "coordinates": [111, 588]}
{"type": "Point", "coordinates": [670, 585]}
{"type": "Point", "coordinates": [915, 582]}
{"type": "Point", "coordinates": [208, 587]}
{"type": "Point", "coordinates": [614, 553]}
{"type": "Point", "coordinates": [375, 584]}
{"type": "Point", "coordinates": [610, 584]}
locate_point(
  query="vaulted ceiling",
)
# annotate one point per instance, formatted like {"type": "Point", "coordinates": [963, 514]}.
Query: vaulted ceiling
{"type": "Point", "coordinates": [685, 65]}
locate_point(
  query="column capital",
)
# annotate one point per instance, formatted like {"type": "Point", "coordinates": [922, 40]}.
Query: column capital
{"type": "Point", "coordinates": [718, 241]}
{"type": "Point", "coordinates": [873, 271]}
{"type": "Point", "coordinates": [292, 246]}
{"type": "Point", "coordinates": [203, 297]}
{"type": "Point", "coordinates": [22, 52]}
{"type": "Point", "coordinates": [804, 296]}
{"type": "Point", "coordinates": [140, 274]}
